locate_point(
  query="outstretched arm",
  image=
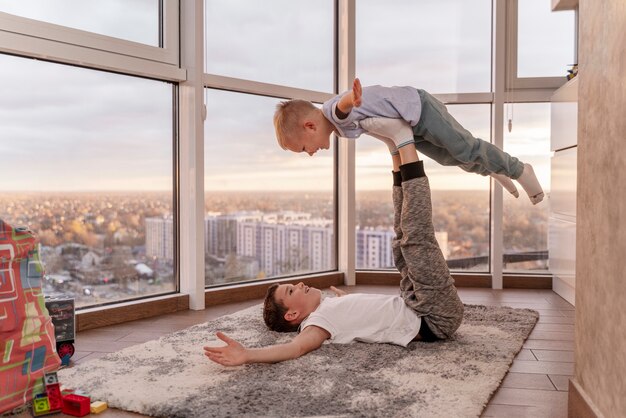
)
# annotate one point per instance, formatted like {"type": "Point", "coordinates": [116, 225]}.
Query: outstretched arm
{"type": "Point", "coordinates": [235, 354]}
{"type": "Point", "coordinates": [350, 100]}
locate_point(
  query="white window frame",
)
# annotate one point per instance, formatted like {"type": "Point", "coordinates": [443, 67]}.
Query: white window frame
{"type": "Point", "coordinates": [238, 85]}
{"type": "Point", "coordinates": [344, 261]}
{"type": "Point", "coordinates": [524, 89]}
{"type": "Point", "coordinates": [235, 85]}
{"type": "Point", "coordinates": [46, 41]}
{"type": "Point", "coordinates": [49, 41]}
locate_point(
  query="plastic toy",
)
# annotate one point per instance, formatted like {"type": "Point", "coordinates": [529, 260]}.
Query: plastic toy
{"type": "Point", "coordinates": [49, 402]}
{"type": "Point", "coordinates": [53, 391]}
{"type": "Point", "coordinates": [76, 405]}
{"type": "Point", "coordinates": [65, 361]}
{"type": "Point", "coordinates": [61, 311]}
{"type": "Point", "coordinates": [98, 407]}
{"type": "Point", "coordinates": [50, 378]}
{"type": "Point", "coordinates": [41, 405]}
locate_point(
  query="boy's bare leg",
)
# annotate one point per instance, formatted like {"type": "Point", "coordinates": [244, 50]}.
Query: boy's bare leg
{"type": "Point", "coordinates": [396, 162]}
{"type": "Point", "coordinates": [428, 288]}
{"type": "Point", "coordinates": [408, 154]}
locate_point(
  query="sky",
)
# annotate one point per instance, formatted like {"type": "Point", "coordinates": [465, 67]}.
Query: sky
{"type": "Point", "coordinates": [66, 128]}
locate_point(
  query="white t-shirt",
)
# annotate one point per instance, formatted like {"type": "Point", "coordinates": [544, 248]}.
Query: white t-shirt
{"type": "Point", "coordinates": [365, 317]}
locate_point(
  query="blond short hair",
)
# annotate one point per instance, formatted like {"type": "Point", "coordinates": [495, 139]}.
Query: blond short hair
{"type": "Point", "coordinates": [288, 118]}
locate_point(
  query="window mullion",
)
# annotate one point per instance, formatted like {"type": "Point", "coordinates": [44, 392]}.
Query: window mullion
{"type": "Point", "coordinates": [499, 76]}
{"type": "Point", "coordinates": [346, 216]}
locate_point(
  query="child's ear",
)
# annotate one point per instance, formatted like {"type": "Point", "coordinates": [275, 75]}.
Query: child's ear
{"type": "Point", "coordinates": [291, 315]}
{"type": "Point", "coordinates": [309, 124]}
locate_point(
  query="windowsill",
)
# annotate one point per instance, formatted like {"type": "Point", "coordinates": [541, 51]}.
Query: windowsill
{"type": "Point", "coordinates": [480, 280]}
{"type": "Point", "coordinates": [100, 316]}
{"type": "Point", "coordinates": [139, 309]}
{"type": "Point", "coordinates": [255, 290]}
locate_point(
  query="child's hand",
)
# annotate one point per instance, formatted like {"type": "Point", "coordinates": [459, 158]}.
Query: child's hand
{"type": "Point", "coordinates": [233, 354]}
{"type": "Point", "coordinates": [338, 292]}
{"type": "Point", "coordinates": [357, 92]}
{"type": "Point", "coordinates": [349, 100]}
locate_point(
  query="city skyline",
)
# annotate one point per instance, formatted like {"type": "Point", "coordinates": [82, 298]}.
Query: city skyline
{"type": "Point", "coordinates": [98, 245]}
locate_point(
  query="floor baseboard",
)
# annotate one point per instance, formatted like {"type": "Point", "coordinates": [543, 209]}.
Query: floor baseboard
{"type": "Point", "coordinates": [579, 405]}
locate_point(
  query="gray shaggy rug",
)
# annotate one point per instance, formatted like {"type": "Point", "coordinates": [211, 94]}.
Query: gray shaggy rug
{"type": "Point", "coordinates": [170, 377]}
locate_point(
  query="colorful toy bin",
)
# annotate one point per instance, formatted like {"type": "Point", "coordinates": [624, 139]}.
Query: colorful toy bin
{"type": "Point", "coordinates": [27, 344]}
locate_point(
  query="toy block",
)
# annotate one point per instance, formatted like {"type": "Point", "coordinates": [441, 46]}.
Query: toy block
{"type": "Point", "coordinates": [41, 405]}
{"type": "Point", "coordinates": [54, 397]}
{"type": "Point", "coordinates": [76, 405]}
{"type": "Point", "coordinates": [98, 407]}
{"type": "Point", "coordinates": [50, 378]}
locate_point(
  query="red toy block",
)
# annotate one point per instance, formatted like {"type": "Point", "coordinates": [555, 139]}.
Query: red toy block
{"type": "Point", "coordinates": [54, 397]}
{"type": "Point", "coordinates": [76, 405]}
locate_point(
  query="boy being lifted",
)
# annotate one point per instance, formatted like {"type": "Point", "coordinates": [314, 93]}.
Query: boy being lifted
{"type": "Point", "coordinates": [302, 127]}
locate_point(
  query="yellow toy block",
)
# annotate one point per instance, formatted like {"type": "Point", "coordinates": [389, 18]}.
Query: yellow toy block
{"type": "Point", "coordinates": [41, 406]}
{"type": "Point", "coordinates": [98, 407]}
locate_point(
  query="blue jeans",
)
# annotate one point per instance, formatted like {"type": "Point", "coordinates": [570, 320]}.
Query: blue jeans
{"type": "Point", "coordinates": [440, 137]}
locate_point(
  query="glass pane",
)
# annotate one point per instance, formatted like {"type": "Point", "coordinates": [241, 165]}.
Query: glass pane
{"type": "Point", "coordinates": [270, 212]}
{"type": "Point", "coordinates": [460, 202]}
{"type": "Point", "coordinates": [439, 46]}
{"type": "Point", "coordinates": [285, 42]}
{"type": "Point", "coordinates": [87, 165]}
{"type": "Point", "coordinates": [525, 227]}
{"type": "Point", "coordinates": [545, 40]}
{"type": "Point", "coordinates": [136, 21]}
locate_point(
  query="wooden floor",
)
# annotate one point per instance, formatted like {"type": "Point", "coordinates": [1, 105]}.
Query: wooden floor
{"type": "Point", "coordinates": [536, 385]}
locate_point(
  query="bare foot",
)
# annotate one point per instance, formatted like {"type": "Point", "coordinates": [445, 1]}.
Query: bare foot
{"type": "Point", "coordinates": [528, 181]}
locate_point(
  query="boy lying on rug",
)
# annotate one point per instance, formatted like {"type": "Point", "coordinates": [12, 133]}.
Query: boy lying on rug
{"type": "Point", "coordinates": [428, 308]}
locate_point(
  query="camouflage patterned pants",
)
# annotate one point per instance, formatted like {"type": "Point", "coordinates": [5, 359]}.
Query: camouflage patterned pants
{"type": "Point", "coordinates": [426, 285]}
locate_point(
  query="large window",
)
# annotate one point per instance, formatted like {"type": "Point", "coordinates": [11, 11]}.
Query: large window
{"type": "Point", "coordinates": [460, 202]}
{"type": "Point", "coordinates": [525, 227]}
{"type": "Point", "coordinates": [281, 42]}
{"type": "Point", "coordinates": [545, 45]}
{"type": "Point", "coordinates": [87, 165]}
{"type": "Point", "coordinates": [443, 47]}
{"type": "Point", "coordinates": [440, 46]}
{"type": "Point", "coordinates": [269, 212]}
{"type": "Point", "coordinates": [89, 157]}
{"type": "Point", "coordinates": [136, 21]}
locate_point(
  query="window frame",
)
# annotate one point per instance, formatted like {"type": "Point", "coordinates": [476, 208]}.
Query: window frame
{"type": "Point", "coordinates": [49, 41]}
{"type": "Point", "coordinates": [257, 88]}
{"type": "Point", "coordinates": [173, 87]}
{"type": "Point", "coordinates": [30, 38]}
{"type": "Point", "coordinates": [514, 83]}
{"type": "Point", "coordinates": [180, 60]}
{"type": "Point", "coordinates": [486, 97]}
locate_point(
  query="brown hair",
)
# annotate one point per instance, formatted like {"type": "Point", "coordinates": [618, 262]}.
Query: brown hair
{"type": "Point", "coordinates": [287, 118]}
{"type": "Point", "coordinates": [274, 313]}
